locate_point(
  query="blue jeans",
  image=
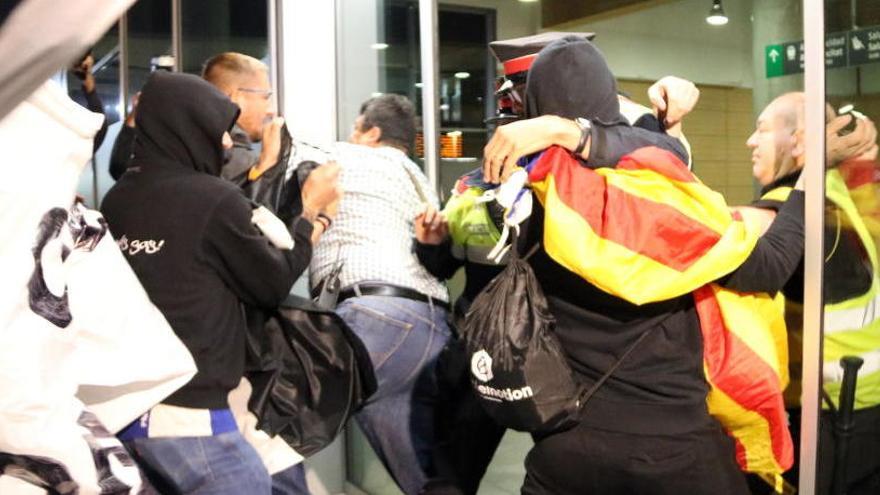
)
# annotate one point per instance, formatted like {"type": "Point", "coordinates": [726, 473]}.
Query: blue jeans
{"type": "Point", "coordinates": [290, 481]}
{"type": "Point", "coordinates": [403, 338]}
{"type": "Point", "coordinates": [223, 464]}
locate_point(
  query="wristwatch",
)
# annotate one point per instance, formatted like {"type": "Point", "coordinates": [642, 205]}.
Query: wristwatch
{"type": "Point", "coordinates": [585, 126]}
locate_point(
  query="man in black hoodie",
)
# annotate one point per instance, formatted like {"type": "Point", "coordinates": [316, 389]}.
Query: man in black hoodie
{"type": "Point", "coordinates": [189, 237]}
{"type": "Point", "coordinates": [647, 429]}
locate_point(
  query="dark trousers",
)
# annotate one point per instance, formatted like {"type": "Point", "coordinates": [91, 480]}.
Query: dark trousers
{"type": "Point", "coordinates": [469, 439]}
{"type": "Point", "coordinates": [863, 453]}
{"type": "Point", "coordinates": [466, 436]}
{"type": "Point", "coordinates": [587, 460]}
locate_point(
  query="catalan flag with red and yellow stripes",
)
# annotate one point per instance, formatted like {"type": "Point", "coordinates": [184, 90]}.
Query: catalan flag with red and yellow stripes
{"type": "Point", "coordinates": [862, 178]}
{"type": "Point", "coordinates": [649, 230]}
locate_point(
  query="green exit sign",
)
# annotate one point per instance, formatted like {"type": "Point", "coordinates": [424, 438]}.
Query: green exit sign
{"type": "Point", "coordinates": [773, 60]}
{"type": "Point", "coordinates": [782, 59]}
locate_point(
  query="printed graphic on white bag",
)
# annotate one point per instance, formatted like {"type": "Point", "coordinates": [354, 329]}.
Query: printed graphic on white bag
{"type": "Point", "coordinates": [59, 234]}
{"type": "Point", "coordinates": [115, 471]}
{"type": "Point", "coordinates": [481, 365]}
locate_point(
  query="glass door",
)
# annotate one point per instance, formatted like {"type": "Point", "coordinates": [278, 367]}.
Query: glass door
{"type": "Point", "coordinates": [849, 412]}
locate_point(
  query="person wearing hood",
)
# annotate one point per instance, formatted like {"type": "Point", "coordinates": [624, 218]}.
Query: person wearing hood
{"type": "Point", "coordinates": [189, 237]}
{"type": "Point", "coordinates": [578, 109]}
{"type": "Point", "coordinates": [462, 236]}
{"type": "Point", "coordinates": [647, 429]}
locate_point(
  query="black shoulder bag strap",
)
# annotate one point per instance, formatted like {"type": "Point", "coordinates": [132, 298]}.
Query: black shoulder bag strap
{"type": "Point", "coordinates": [589, 393]}
{"type": "Point", "coordinates": [592, 390]}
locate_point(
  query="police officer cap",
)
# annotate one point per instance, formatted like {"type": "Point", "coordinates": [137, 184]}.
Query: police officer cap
{"type": "Point", "coordinates": [517, 54]}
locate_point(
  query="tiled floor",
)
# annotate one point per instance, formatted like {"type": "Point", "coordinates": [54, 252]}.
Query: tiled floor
{"type": "Point", "coordinates": [504, 477]}
{"type": "Point", "coordinates": [506, 473]}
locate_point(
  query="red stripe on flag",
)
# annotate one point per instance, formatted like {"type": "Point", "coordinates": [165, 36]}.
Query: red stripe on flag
{"type": "Point", "coordinates": [743, 369]}
{"type": "Point", "coordinates": [857, 172]}
{"type": "Point", "coordinates": [740, 453]}
{"type": "Point", "coordinates": [638, 224]}
{"type": "Point", "coordinates": [659, 160]}
{"type": "Point", "coordinates": [570, 176]}
{"type": "Point", "coordinates": [655, 230]}
{"type": "Point", "coordinates": [551, 158]}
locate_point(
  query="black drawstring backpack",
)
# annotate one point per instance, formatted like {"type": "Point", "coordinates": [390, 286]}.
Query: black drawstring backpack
{"type": "Point", "coordinates": [309, 373]}
{"type": "Point", "coordinates": [519, 371]}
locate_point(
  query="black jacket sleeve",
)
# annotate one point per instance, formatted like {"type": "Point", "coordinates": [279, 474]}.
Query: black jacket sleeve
{"type": "Point", "coordinates": [259, 273]}
{"type": "Point", "coordinates": [777, 254]}
{"type": "Point", "coordinates": [95, 105]}
{"type": "Point", "coordinates": [438, 259]}
{"type": "Point", "coordinates": [609, 143]}
{"type": "Point", "coordinates": [120, 156]}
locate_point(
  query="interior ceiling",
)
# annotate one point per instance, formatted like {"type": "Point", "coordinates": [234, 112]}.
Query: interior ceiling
{"type": "Point", "coordinates": [556, 12]}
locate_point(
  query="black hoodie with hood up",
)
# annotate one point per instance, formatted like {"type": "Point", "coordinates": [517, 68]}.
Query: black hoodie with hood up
{"type": "Point", "coordinates": [188, 234]}
{"type": "Point", "coordinates": [571, 79]}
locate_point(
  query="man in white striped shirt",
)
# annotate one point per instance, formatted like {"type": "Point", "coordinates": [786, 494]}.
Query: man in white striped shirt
{"type": "Point", "coordinates": [388, 298]}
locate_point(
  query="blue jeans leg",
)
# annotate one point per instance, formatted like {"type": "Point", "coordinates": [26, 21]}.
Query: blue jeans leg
{"type": "Point", "coordinates": [291, 481]}
{"type": "Point", "coordinates": [404, 338]}
{"type": "Point", "coordinates": [218, 465]}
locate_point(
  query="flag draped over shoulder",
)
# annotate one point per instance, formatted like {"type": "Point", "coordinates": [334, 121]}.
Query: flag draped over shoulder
{"type": "Point", "coordinates": [649, 230]}
{"type": "Point", "coordinates": [650, 216]}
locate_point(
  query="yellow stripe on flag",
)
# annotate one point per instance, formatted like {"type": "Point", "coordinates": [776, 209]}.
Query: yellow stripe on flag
{"type": "Point", "coordinates": [748, 428]}
{"type": "Point", "coordinates": [692, 199]}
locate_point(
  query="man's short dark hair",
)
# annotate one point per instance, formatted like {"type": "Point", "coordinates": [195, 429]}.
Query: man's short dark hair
{"type": "Point", "coordinates": [395, 115]}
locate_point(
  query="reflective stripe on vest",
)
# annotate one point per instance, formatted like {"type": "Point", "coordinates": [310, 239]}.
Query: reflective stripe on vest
{"type": "Point", "coordinates": [852, 327]}
{"type": "Point", "coordinates": [471, 228]}
{"type": "Point", "coordinates": [779, 194]}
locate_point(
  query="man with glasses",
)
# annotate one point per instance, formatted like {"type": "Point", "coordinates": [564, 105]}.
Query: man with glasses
{"type": "Point", "coordinates": [246, 81]}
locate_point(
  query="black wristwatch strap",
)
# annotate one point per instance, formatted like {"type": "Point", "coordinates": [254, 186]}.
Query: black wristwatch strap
{"type": "Point", "coordinates": [585, 133]}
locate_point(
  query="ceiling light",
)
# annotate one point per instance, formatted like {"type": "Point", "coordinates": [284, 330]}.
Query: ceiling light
{"type": "Point", "coordinates": [462, 75]}
{"type": "Point", "coordinates": [376, 94]}
{"type": "Point", "coordinates": [716, 15]}
{"type": "Point", "coordinates": [379, 46]}
{"type": "Point", "coordinates": [419, 85]}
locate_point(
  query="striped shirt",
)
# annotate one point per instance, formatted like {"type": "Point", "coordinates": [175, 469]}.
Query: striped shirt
{"type": "Point", "coordinates": [373, 233]}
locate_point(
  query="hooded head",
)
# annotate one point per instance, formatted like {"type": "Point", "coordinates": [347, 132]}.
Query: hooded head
{"type": "Point", "coordinates": [181, 118]}
{"type": "Point", "coordinates": [570, 78]}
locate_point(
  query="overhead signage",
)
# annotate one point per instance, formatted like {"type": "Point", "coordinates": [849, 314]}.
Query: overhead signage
{"type": "Point", "coordinates": [864, 46]}
{"type": "Point", "coordinates": [848, 49]}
